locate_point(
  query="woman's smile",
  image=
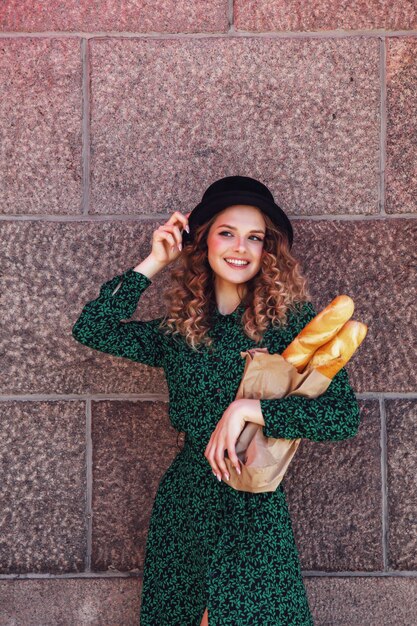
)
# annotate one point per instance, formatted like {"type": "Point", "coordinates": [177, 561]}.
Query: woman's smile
{"type": "Point", "coordinates": [236, 263]}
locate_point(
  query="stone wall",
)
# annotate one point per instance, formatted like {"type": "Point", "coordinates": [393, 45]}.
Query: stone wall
{"type": "Point", "coordinates": [112, 116]}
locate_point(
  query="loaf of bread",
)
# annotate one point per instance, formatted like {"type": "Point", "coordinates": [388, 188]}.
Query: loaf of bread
{"type": "Point", "coordinates": [319, 331]}
{"type": "Point", "coordinates": [331, 357]}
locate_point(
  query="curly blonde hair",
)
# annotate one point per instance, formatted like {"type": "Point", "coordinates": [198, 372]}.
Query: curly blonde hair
{"type": "Point", "coordinates": [277, 287]}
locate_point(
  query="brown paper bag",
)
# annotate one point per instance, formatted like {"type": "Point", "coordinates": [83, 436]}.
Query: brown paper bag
{"type": "Point", "coordinates": [265, 460]}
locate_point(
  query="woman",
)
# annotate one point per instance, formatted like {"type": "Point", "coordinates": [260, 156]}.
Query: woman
{"type": "Point", "coordinates": [214, 553]}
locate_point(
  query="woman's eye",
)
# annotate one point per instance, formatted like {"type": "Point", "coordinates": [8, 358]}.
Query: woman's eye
{"type": "Point", "coordinates": [227, 232]}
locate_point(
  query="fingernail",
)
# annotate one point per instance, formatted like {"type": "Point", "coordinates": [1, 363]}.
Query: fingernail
{"type": "Point", "coordinates": [180, 246]}
{"type": "Point", "coordinates": [218, 477]}
{"type": "Point", "coordinates": [187, 228]}
{"type": "Point", "coordinates": [238, 470]}
{"type": "Point", "coordinates": [227, 476]}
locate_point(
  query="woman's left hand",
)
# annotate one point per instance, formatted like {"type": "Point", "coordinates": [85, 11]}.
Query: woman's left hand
{"type": "Point", "coordinates": [225, 435]}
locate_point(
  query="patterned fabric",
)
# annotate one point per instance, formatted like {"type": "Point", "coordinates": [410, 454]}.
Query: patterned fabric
{"type": "Point", "coordinates": [209, 545]}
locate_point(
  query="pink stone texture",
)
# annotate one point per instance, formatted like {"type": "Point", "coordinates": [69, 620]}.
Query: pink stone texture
{"type": "Point", "coordinates": [134, 444]}
{"type": "Point", "coordinates": [169, 117]}
{"type": "Point", "coordinates": [401, 167]}
{"type": "Point", "coordinates": [50, 271]}
{"type": "Point", "coordinates": [321, 15]}
{"type": "Point", "coordinates": [42, 487]}
{"type": "Point", "coordinates": [334, 496]}
{"type": "Point", "coordinates": [70, 602]}
{"type": "Point", "coordinates": [335, 601]}
{"type": "Point", "coordinates": [40, 126]}
{"type": "Point", "coordinates": [176, 16]}
{"type": "Point", "coordinates": [401, 417]}
{"type": "Point", "coordinates": [374, 262]}
{"type": "Point", "coordinates": [360, 600]}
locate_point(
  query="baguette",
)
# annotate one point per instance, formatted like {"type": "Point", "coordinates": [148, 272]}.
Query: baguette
{"type": "Point", "coordinates": [319, 331]}
{"type": "Point", "coordinates": [331, 357]}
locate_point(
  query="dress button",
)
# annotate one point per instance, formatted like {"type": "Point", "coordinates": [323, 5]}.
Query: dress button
{"type": "Point", "coordinates": [180, 438]}
{"type": "Point", "coordinates": [218, 390]}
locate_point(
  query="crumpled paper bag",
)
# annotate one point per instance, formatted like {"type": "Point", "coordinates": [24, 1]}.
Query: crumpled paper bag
{"type": "Point", "coordinates": [265, 460]}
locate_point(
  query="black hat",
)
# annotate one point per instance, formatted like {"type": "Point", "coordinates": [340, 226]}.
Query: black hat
{"type": "Point", "coordinates": [237, 190]}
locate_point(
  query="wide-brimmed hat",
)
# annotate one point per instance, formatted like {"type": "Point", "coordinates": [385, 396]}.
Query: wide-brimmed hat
{"type": "Point", "coordinates": [237, 190]}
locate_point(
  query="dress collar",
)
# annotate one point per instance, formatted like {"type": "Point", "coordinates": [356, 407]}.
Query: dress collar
{"type": "Point", "coordinates": [232, 316]}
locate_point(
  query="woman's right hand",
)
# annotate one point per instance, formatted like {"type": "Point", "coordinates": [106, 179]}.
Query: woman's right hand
{"type": "Point", "coordinates": [167, 239]}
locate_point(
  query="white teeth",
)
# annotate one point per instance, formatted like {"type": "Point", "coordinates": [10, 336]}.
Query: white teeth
{"type": "Point", "coordinates": [234, 262]}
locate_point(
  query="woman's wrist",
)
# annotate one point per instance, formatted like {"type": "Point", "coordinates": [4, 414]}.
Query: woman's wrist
{"type": "Point", "coordinates": [251, 411]}
{"type": "Point", "coordinates": [149, 267]}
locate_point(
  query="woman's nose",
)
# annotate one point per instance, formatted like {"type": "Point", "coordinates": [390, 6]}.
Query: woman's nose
{"type": "Point", "coordinates": [240, 244]}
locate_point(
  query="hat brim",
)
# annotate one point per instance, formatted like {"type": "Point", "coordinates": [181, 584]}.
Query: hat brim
{"type": "Point", "coordinates": [205, 210]}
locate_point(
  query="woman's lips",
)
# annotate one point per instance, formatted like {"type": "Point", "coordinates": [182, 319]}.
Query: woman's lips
{"type": "Point", "coordinates": [237, 266]}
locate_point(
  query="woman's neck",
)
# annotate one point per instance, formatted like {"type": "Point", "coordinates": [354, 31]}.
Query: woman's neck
{"type": "Point", "coordinates": [227, 297]}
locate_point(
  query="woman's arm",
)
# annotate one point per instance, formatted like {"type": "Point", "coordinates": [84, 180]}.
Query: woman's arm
{"type": "Point", "coordinates": [100, 327]}
{"type": "Point", "coordinates": [333, 416]}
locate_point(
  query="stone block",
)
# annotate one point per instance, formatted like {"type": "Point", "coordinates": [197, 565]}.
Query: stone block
{"type": "Point", "coordinates": [50, 271]}
{"type": "Point", "coordinates": [359, 600]}
{"type": "Point", "coordinates": [401, 416]}
{"type": "Point", "coordinates": [70, 602]}
{"type": "Point", "coordinates": [41, 119]}
{"type": "Point", "coordinates": [322, 15]}
{"type": "Point", "coordinates": [334, 495]}
{"type": "Point", "coordinates": [135, 16]}
{"type": "Point", "coordinates": [401, 161]}
{"type": "Point", "coordinates": [168, 117]}
{"type": "Point", "coordinates": [42, 489]}
{"type": "Point", "coordinates": [372, 262]}
{"type": "Point", "coordinates": [133, 445]}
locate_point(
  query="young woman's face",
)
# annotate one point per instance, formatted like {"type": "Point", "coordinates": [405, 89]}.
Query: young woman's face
{"type": "Point", "coordinates": [236, 234]}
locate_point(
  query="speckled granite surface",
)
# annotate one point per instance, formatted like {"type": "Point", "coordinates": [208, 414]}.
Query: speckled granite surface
{"type": "Point", "coordinates": [303, 115]}
{"type": "Point", "coordinates": [401, 170]}
{"type": "Point", "coordinates": [321, 15]}
{"type": "Point", "coordinates": [40, 120]}
{"type": "Point", "coordinates": [175, 16]}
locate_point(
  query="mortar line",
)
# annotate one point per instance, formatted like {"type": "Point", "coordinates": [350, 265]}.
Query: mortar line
{"type": "Point", "coordinates": [155, 397]}
{"type": "Point", "coordinates": [305, 573]}
{"type": "Point", "coordinates": [89, 483]}
{"type": "Point", "coordinates": [231, 16]}
{"type": "Point", "coordinates": [231, 33]}
{"type": "Point", "coordinates": [85, 202]}
{"type": "Point", "coordinates": [163, 397]}
{"type": "Point", "coordinates": [365, 574]}
{"type": "Point", "coordinates": [384, 484]}
{"type": "Point", "coordinates": [383, 123]}
{"type": "Point", "coordinates": [149, 217]}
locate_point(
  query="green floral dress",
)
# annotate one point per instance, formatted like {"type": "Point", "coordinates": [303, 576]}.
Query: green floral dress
{"type": "Point", "coordinates": [209, 545]}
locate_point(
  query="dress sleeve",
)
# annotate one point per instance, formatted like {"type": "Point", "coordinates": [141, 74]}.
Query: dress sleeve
{"type": "Point", "coordinates": [333, 416]}
{"type": "Point", "coordinates": [100, 327]}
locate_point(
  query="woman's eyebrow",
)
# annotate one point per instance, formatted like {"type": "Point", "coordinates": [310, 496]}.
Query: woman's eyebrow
{"type": "Point", "coordinates": [234, 228]}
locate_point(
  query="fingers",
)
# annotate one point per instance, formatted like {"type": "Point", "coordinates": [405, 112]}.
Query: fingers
{"type": "Point", "coordinates": [215, 456]}
{"type": "Point", "coordinates": [209, 453]}
{"type": "Point", "coordinates": [162, 233]}
{"type": "Point", "coordinates": [175, 238]}
{"type": "Point", "coordinates": [219, 458]}
{"type": "Point", "coordinates": [179, 217]}
{"type": "Point", "coordinates": [231, 451]}
{"type": "Point", "coordinates": [171, 234]}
